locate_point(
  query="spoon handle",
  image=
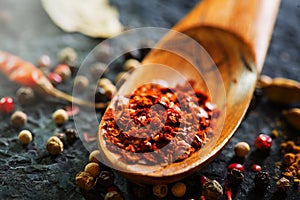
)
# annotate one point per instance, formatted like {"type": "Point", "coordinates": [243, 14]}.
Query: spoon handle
{"type": "Point", "coordinates": [252, 21]}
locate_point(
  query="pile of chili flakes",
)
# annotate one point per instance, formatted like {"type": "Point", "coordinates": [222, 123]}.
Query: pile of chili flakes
{"type": "Point", "coordinates": [156, 124]}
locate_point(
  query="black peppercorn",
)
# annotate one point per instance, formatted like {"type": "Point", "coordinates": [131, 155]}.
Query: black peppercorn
{"type": "Point", "coordinates": [262, 180]}
{"type": "Point", "coordinates": [235, 177]}
{"type": "Point", "coordinates": [71, 135]}
{"type": "Point", "coordinates": [106, 178]}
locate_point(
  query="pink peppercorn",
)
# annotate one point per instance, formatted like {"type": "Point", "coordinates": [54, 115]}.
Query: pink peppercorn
{"type": "Point", "coordinates": [203, 179]}
{"type": "Point", "coordinates": [256, 168]}
{"type": "Point", "coordinates": [6, 105]}
{"type": "Point", "coordinates": [236, 166]}
{"type": "Point", "coordinates": [54, 78]}
{"type": "Point", "coordinates": [263, 142]}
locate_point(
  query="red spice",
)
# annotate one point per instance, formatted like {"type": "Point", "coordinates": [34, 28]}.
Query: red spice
{"type": "Point", "coordinates": [236, 166]}
{"type": "Point", "coordinates": [256, 168]}
{"type": "Point", "coordinates": [54, 78]}
{"type": "Point", "coordinates": [263, 142]}
{"type": "Point", "coordinates": [6, 105]}
{"type": "Point", "coordinates": [172, 123]}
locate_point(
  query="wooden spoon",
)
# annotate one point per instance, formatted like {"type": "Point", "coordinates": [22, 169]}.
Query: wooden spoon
{"type": "Point", "coordinates": [236, 34]}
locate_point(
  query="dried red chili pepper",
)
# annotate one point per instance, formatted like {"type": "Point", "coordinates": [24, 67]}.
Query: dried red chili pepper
{"type": "Point", "coordinates": [165, 124]}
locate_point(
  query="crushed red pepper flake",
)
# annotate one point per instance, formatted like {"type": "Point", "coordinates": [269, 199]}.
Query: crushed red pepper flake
{"type": "Point", "coordinates": [162, 124]}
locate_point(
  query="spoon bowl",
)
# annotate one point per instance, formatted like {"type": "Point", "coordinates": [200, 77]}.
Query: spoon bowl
{"type": "Point", "coordinates": [226, 68]}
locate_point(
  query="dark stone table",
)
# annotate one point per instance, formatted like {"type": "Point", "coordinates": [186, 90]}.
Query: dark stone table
{"type": "Point", "coordinates": [30, 173]}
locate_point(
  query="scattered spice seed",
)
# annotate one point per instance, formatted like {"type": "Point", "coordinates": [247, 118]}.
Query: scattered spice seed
{"type": "Point", "coordinates": [71, 135]}
{"type": "Point", "coordinates": [241, 149]}
{"type": "Point", "coordinates": [25, 96]}
{"type": "Point", "coordinates": [256, 168]}
{"type": "Point", "coordinates": [235, 177]}
{"type": "Point", "coordinates": [81, 83]}
{"type": "Point", "coordinates": [212, 190]}
{"type": "Point", "coordinates": [54, 145]}
{"type": "Point", "coordinates": [102, 82]}
{"type": "Point", "coordinates": [131, 64]}
{"type": "Point", "coordinates": [68, 56]}
{"type": "Point", "coordinates": [18, 119]}
{"type": "Point", "coordinates": [178, 189]}
{"type": "Point", "coordinates": [113, 195]}
{"type": "Point", "coordinates": [262, 180]}
{"type": "Point", "coordinates": [236, 166]}
{"type": "Point", "coordinates": [85, 181]}
{"type": "Point", "coordinates": [25, 137]}
{"type": "Point", "coordinates": [62, 137]}
{"type": "Point", "coordinates": [60, 116]}
{"type": "Point", "coordinates": [63, 71]}
{"type": "Point", "coordinates": [106, 178]}
{"type": "Point", "coordinates": [97, 70]}
{"type": "Point", "coordinates": [109, 90]}
{"type": "Point", "coordinates": [160, 190]}
{"type": "Point", "coordinates": [283, 184]}
{"type": "Point", "coordinates": [95, 156]}
{"type": "Point", "coordinates": [263, 142]}
{"type": "Point", "coordinates": [171, 111]}
{"type": "Point", "coordinates": [6, 105]}
{"type": "Point", "coordinates": [44, 61]}
{"type": "Point", "coordinates": [93, 169]}
{"type": "Point", "coordinates": [54, 78]}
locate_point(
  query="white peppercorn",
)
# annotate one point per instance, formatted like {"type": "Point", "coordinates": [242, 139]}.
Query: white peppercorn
{"type": "Point", "coordinates": [94, 156]}
{"type": "Point", "coordinates": [25, 137]}
{"type": "Point", "coordinates": [60, 116]}
{"type": "Point", "coordinates": [102, 82]}
{"type": "Point", "coordinates": [241, 149]}
{"type": "Point", "coordinates": [131, 64]}
{"type": "Point", "coordinates": [54, 145]}
{"type": "Point", "coordinates": [18, 119]}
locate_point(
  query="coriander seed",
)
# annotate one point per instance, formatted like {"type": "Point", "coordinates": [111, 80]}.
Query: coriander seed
{"type": "Point", "coordinates": [241, 149]}
{"type": "Point", "coordinates": [92, 168]}
{"type": "Point", "coordinates": [178, 189]}
{"type": "Point", "coordinates": [85, 181]}
{"type": "Point", "coordinates": [25, 137]}
{"type": "Point", "coordinates": [54, 145]}
{"type": "Point", "coordinates": [60, 116]}
{"type": "Point", "coordinates": [18, 119]}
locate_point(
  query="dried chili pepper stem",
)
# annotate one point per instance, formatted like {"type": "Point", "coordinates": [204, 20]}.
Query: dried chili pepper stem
{"type": "Point", "coordinates": [27, 74]}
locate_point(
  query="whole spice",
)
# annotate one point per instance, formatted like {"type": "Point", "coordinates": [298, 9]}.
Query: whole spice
{"type": "Point", "coordinates": [131, 64]}
{"type": "Point", "coordinates": [94, 156]}
{"type": "Point", "coordinates": [106, 178]}
{"type": "Point", "coordinates": [6, 105]}
{"type": "Point", "coordinates": [25, 137]}
{"type": "Point", "coordinates": [263, 142]}
{"type": "Point", "coordinates": [241, 149]}
{"type": "Point", "coordinates": [54, 78]}
{"type": "Point", "coordinates": [178, 189]}
{"type": "Point", "coordinates": [113, 195]}
{"type": "Point", "coordinates": [81, 83]}
{"type": "Point", "coordinates": [109, 90]}
{"type": "Point", "coordinates": [236, 166]}
{"type": "Point", "coordinates": [63, 71]}
{"type": "Point", "coordinates": [256, 168]}
{"type": "Point", "coordinates": [283, 184]}
{"type": "Point", "coordinates": [292, 116]}
{"type": "Point", "coordinates": [291, 159]}
{"type": "Point", "coordinates": [262, 180]}
{"type": "Point", "coordinates": [60, 116]}
{"type": "Point", "coordinates": [85, 181]}
{"type": "Point", "coordinates": [44, 61]}
{"type": "Point", "coordinates": [18, 119]}
{"type": "Point", "coordinates": [102, 82]}
{"type": "Point", "coordinates": [25, 95]}
{"type": "Point", "coordinates": [68, 56]}
{"type": "Point", "coordinates": [54, 145]}
{"type": "Point", "coordinates": [93, 169]}
{"type": "Point", "coordinates": [280, 90]}
{"type": "Point", "coordinates": [71, 135]}
{"type": "Point", "coordinates": [97, 70]}
{"type": "Point", "coordinates": [212, 190]}
{"type": "Point", "coordinates": [160, 190]}
{"type": "Point", "coordinates": [179, 120]}
{"type": "Point", "coordinates": [235, 177]}
{"type": "Point", "coordinates": [141, 192]}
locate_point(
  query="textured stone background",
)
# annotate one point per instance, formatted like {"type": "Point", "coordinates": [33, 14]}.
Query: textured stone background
{"type": "Point", "coordinates": [29, 173]}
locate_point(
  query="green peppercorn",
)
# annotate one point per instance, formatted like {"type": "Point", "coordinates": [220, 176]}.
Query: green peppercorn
{"type": "Point", "coordinates": [160, 190]}
{"type": "Point", "coordinates": [212, 190]}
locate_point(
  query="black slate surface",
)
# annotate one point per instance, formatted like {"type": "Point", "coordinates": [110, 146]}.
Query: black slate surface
{"type": "Point", "coordinates": [30, 173]}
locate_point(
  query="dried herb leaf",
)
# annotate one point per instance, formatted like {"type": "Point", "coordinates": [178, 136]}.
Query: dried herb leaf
{"type": "Point", "coordinates": [95, 18]}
